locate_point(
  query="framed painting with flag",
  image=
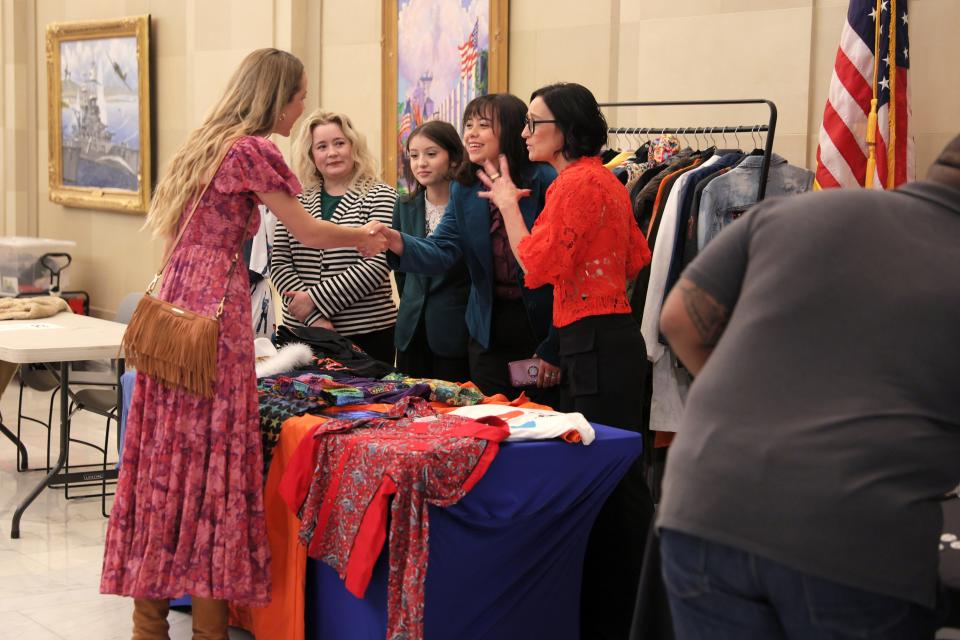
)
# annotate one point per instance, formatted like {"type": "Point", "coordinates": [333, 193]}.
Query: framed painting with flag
{"type": "Point", "coordinates": [98, 78]}
{"type": "Point", "coordinates": [437, 56]}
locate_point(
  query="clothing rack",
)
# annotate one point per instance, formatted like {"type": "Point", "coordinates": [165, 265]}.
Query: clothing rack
{"type": "Point", "coordinates": [769, 128]}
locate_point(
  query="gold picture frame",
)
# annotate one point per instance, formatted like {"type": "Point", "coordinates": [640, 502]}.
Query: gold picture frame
{"type": "Point", "coordinates": [99, 126]}
{"type": "Point", "coordinates": [489, 61]}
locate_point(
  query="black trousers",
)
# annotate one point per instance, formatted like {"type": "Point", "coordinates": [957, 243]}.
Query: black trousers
{"type": "Point", "coordinates": [511, 338]}
{"type": "Point", "coordinates": [419, 361]}
{"type": "Point", "coordinates": [604, 363]}
{"type": "Point", "coordinates": [378, 344]}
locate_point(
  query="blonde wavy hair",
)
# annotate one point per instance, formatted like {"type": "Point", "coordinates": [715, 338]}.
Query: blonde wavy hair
{"type": "Point", "coordinates": [260, 88]}
{"type": "Point", "coordinates": [364, 166]}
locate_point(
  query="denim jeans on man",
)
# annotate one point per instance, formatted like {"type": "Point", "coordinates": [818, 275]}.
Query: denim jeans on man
{"type": "Point", "coordinates": [721, 593]}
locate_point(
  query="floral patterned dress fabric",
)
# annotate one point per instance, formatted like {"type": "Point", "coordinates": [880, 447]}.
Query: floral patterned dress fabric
{"type": "Point", "coordinates": [400, 465]}
{"type": "Point", "coordinates": [188, 515]}
{"type": "Point", "coordinates": [662, 148]}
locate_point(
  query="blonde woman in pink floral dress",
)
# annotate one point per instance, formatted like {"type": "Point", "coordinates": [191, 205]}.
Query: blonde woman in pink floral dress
{"type": "Point", "coordinates": [188, 515]}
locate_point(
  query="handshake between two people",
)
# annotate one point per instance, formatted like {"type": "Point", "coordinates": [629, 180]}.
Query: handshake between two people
{"type": "Point", "coordinates": [378, 238]}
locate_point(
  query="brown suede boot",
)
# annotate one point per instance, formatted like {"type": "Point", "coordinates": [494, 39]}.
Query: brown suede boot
{"type": "Point", "coordinates": [209, 619]}
{"type": "Point", "coordinates": [150, 619]}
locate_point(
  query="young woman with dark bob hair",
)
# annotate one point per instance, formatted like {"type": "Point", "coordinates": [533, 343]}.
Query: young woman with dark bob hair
{"type": "Point", "coordinates": [588, 246]}
{"type": "Point", "coordinates": [506, 318]}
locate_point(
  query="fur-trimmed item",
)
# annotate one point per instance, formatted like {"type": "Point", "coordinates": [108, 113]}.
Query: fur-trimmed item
{"type": "Point", "coordinates": [289, 357]}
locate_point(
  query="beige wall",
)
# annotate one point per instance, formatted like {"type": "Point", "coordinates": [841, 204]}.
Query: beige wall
{"type": "Point", "coordinates": [195, 45]}
{"type": "Point", "coordinates": [622, 49]}
{"type": "Point", "coordinates": [783, 50]}
{"type": "Point", "coordinates": [349, 38]}
{"type": "Point", "coordinates": [631, 50]}
{"type": "Point", "coordinates": [18, 122]}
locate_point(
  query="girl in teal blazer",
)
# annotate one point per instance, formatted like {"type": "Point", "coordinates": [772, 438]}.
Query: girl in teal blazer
{"type": "Point", "coordinates": [431, 332]}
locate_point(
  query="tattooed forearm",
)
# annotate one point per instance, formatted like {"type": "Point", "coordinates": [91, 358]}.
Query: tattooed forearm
{"type": "Point", "coordinates": [708, 316]}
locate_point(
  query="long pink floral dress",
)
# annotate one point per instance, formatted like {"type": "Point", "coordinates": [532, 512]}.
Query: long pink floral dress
{"type": "Point", "coordinates": [188, 514]}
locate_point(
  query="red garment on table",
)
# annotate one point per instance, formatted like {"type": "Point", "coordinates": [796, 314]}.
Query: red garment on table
{"type": "Point", "coordinates": [360, 465]}
{"type": "Point", "coordinates": [585, 243]}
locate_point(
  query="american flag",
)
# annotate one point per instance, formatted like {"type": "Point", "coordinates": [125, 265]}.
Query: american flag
{"type": "Point", "coordinates": [406, 123]}
{"type": "Point", "coordinates": [470, 50]}
{"type": "Point", "coordinates": [842, 152]}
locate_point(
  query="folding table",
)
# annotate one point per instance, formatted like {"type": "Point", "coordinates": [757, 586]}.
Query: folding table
{"type": "Point", "coordinates": [62, 338]}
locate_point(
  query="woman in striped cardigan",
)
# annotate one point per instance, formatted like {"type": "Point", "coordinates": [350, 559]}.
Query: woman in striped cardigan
{"type": "Point", "coordinates": [337, 288]}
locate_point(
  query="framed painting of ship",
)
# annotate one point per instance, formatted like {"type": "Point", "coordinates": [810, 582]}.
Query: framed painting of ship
{"type": "Point", "coordinates": [437, 56]}
{"type": "Point", "coordinates": [98, 76]}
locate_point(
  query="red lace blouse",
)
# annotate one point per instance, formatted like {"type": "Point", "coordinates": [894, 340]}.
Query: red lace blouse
{"type": "Point", "coordinates": [585, 243]}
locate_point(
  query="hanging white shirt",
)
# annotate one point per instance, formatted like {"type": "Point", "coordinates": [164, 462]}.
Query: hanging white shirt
{"type": "Point", "coordinates": [660, 264]}
{"type": "Point", "coordinates": [667, 402]}
{"type": "Point", "coordinates": [261, 297]}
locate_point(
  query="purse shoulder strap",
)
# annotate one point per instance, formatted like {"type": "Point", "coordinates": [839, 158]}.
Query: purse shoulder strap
{"type": "Point", "coordinates": [183, 227]}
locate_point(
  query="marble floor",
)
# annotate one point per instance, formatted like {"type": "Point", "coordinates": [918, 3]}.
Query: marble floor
{"type": "Point", "coordinates": [49, 577]}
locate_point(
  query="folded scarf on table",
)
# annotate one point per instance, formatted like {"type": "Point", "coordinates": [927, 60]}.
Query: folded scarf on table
{"type": "Point", "coordinates": [31, 308]}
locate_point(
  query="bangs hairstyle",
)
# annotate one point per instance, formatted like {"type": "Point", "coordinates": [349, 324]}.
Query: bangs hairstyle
{"type": "Point", "coordinates": [578, 117]}
{"type": "Point", "coordinates": [264, 83]}
{"type": "Point", "coordinates": [364, 175]}
{"type": "Point", "coordinates": [445, 136]}
{"type": "Point", "coordinates": [508, 114]}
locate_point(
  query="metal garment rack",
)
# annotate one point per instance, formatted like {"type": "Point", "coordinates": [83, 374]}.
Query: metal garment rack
{"type": "Point", "coordinates": [769, 128]}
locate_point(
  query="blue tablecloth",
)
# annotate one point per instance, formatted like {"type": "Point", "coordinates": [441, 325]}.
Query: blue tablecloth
{"type": "Point", "coordinates": [127, 383]}
{"type": "Point", "coordinates": [505, 563]}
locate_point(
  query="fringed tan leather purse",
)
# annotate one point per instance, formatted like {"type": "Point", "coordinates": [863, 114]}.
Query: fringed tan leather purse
{"type": "Point", "coordinates": [176, 346]}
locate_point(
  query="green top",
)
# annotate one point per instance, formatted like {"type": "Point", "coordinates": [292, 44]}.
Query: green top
{"type": "Point", "coordinates": [328, 204]}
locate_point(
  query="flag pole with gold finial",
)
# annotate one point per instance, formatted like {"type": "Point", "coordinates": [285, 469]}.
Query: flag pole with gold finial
{"type": "Point", "coordinates": [872, 119]}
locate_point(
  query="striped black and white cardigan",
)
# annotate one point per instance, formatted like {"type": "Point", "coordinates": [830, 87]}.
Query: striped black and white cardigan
{"type": "Point", "coordinates": [351, 291]}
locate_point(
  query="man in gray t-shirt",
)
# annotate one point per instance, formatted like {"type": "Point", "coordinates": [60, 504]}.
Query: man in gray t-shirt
{"type": "Point", "coordinates": [801, 496]}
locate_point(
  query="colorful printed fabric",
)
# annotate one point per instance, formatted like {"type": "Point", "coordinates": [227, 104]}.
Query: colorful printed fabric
{"type": "Point", "coordinates": [387, 391]}
{"type": "Point", "coordinates": [360, 466]}
{"type": "Point", "coordinates": [329, 364]}
{"type": "Point", "coordinates": [313, 385]}
{"type": "Point", "coordinates": [283, 397]}
{"type": "Point", "coordinates": [664, 147]}
{"type": "Point", "coordinates": [275, 409]}
{"type": "Point", "coordinates": [359, 414]}
{"type": "Point", "coordinates": [443, 391]}
{"type": "Point", "coordinates": [348, 390]}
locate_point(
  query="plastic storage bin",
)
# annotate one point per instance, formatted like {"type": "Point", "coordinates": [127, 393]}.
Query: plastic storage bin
{"type": "Point", "coordinates": [20, 268]}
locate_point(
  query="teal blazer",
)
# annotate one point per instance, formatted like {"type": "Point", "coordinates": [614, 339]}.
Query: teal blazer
{"type": "Point", "coordinates": [464, 233]}
{"type": "Point", "coordinates": [440, 301]}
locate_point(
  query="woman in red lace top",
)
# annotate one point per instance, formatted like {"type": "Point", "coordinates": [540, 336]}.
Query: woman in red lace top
{"type": "Point", "coordinates": [588, 246]}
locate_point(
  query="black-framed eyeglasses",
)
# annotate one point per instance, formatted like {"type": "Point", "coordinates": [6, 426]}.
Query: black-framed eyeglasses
{"type": "Point", "coordinates": [532, 123]}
